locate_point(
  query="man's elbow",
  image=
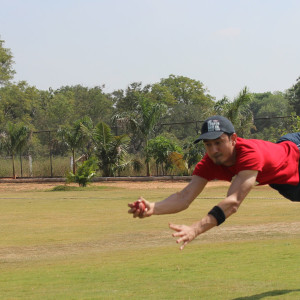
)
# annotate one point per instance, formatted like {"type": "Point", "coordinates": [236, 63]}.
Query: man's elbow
{"type": "Point", "coordinates": [185, 205]}
{"type": "Point", "coordinates": [233, 207]}
{"type": "Point", "coordinates": [185, 200]}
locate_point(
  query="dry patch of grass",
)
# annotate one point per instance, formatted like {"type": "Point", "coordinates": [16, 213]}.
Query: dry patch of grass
{"type": "Point", "coordinates": [147, 240]}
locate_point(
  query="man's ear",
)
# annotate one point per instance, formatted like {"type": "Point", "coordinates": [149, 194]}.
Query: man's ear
{"type": "Point", "coordinates": [233, 138]}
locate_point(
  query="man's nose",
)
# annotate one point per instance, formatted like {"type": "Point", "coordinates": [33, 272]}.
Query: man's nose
{"type": "Point", "coordinates": [215, 149]}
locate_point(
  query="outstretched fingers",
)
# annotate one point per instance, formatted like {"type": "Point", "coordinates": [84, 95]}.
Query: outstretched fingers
{"type": "Point", "coordinates": [177, 228]}
{"type": "Point", "coordinates": [185, 233]}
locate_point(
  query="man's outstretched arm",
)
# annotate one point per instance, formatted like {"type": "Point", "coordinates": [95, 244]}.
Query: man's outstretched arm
{"type": "Point", "coordinates": [172, 204]}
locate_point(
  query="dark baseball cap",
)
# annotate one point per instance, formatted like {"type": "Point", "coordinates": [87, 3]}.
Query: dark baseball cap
{"type": "Point", "coordinates": [214, 127]}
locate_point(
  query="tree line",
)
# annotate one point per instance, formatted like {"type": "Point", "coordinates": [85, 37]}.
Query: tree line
{"type": "Point", "coordinates": [139, 126]}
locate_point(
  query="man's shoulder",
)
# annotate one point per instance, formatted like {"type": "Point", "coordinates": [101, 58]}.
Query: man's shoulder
{"type": "Point", "coordinates": [253, 148]}
{"type": "Point", "coordinates": [241, 140]}
{"type": "Point", "coordinates": [253, 143]}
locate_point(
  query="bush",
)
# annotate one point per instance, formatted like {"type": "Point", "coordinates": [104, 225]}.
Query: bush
{"type": "Point", "coordinates": [63, 188]}
{"type": "Point", "coordinates": [84, 173]}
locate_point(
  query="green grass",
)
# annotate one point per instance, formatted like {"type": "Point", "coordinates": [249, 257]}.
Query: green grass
{"type": "Point", "coordinates": [82, 244]}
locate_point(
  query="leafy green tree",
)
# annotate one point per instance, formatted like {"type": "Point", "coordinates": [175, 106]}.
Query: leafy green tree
{"type": "Point", "coordinates": [181, 121]}
{"type": "Point", "coordinates": [109, 149]}
{"type": "Point", "coordinates": [55, 110]}
{"type": "Point", "coordinates": [160, 148]}
{"type": "Point", "coordinates": [238, 112]}
{"type": "Point", "coordinates": [13, 140]}
{"type": "Point", "coordinates": [18, 103]}
{"type": "Point", "coordinates": [90, 102]}
{"type": "Point", "coordinates": [192, 102]}
{"type": "Point", "coordinates": [187, 91]}
{"type": "Point", "coordinates": [162, 94]}
{"type": "Point", "coordinates": [6, 62]}
{"type": "Point", "coordinates": [192, 153]}
{"type": "Point", "coordinates": [222, 106]}
{"type": "Point", "coordinates": [270, 111]}
{"type": "Point", "coordinates": [292, 124]}
{"type": "Point", "coordinates": [126, 101]}
{"type": "Point", "coordinates": [142, 121]}
{"type": "Point", "coordinates": [75, 136]}
{"type": "Point", "coordinates": [185, 100]}
{"type": "Point", "coordinates": [293, 96]}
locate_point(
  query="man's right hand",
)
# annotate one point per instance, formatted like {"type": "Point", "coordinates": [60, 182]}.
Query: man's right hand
{"type": "Point", "coordinates": [137, 211]}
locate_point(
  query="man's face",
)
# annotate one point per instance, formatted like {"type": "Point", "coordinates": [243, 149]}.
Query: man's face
{"type": "Point", "coordinates": [221, 150]}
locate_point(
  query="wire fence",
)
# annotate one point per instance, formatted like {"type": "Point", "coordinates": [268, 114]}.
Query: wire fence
{"type": "Point", "coordinates": [45, 159]}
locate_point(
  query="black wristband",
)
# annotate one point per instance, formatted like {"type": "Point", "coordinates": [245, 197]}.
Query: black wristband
{"type": "Point", "coordinates": [218, 213]}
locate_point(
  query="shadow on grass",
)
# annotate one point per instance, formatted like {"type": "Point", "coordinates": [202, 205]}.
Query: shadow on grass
{"type": "Point", "coordinates": [267, 294]}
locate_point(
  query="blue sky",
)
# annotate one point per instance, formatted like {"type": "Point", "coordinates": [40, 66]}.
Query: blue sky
{"type": "Point", "coordinates": [225, 44]}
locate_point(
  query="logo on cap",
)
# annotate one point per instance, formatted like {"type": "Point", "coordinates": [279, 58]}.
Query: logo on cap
{"type": "Point", "coordinates": [213, 125]}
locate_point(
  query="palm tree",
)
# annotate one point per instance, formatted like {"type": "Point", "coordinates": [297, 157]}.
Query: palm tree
{"type": "Point", "coordinates": [75, 136]}
{"type": "Point", "coordinates": [110, 149]}
{"type": "Point", "coordinates": [14, 139]}
{"type": "Point", "coordinates": [143, 121]}
{"type": "Point", "coordinates": [238, 111]}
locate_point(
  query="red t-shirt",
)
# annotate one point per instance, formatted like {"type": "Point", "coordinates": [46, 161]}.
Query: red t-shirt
{"type": "Point", "coordinates": [275, 163]}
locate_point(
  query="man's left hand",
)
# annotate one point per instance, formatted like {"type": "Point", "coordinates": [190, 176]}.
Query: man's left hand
{"type": "Point", "coordinates": [185, 233]}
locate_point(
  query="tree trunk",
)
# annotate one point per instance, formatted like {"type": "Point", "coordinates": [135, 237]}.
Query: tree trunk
{"type": "Point", "coordinates": [147, 160]}
{"type": "Point", "coordinates": [21, 164]}
{"type": "Point", "coordinates": [148, 168]}
{"type": "Point", "coordinates": [74, 163]}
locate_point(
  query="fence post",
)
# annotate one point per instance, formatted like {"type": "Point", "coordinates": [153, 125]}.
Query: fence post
{"type": "Point", "coordinates": [71, 163]}
{"type": "Point", "coordinates": [50, 149]}
{"type": "Point", "coordinates": [30, 165]}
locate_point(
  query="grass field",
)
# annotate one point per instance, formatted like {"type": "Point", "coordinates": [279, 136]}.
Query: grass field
{"type": "Point", "coordinates": [82, 244]}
